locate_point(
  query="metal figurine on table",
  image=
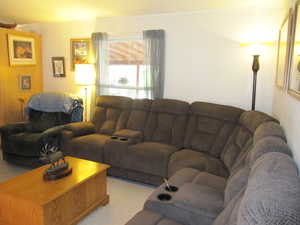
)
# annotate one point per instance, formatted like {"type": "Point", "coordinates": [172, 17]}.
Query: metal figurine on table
{"type": "Point", "coordinates": [58, 166]}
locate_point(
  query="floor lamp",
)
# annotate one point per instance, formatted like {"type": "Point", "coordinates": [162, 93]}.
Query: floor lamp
{"type": "Point", "coordinates": [255, 68]}
{"type": "Point", "coordinates": [85, 76]}
{"type": "Point", "coordinates": [256, 51]}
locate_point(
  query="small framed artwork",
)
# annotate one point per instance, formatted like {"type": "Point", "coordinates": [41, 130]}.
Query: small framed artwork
{"type": "Point", "coordinates": [80, 51]}
{"type": "Point", "coordinates": [58, 65]}
{"type": "Point", "coordinates": [25, 82]}
{"type": "Point", "coordinates": [283, 52]}
{"type": "Point", "coordinates": [21, 50]}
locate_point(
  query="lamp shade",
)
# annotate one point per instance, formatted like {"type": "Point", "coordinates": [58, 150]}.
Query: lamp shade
{"type": "Point", "coordinates": [84, 74]}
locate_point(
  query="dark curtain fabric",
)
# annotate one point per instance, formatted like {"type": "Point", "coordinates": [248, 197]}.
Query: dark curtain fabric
{"type": "Point", "coordinates": [99, 41]}
{"type": "Point", "coordinates": [155, 62]}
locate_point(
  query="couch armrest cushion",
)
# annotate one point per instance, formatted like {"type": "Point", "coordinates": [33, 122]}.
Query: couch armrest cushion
{"type": "Point", "coordinates": [80, 128]}
{"type": "Point", "coordinates": [200, 199]}
{"type": "Point", "coordinates": [134, 134]}
{"type": "Point", "coordinates": [192, 204]}
{"type": "Point", "coordinates": [52, 132]}
{"type": "Point", "coordinates": [13, 128]}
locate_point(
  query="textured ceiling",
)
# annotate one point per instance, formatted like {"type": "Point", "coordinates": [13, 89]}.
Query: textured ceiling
{"type": "Point", "coordinates": [32, 11]}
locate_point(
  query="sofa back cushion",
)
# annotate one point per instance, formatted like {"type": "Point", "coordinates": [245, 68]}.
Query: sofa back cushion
{"type": "Point", "coordinates": [271, 196]}
{"type": "Point", "coordinates": [238, 178]}
{"type": "Point", "coordinates": [111, 113]}
{"type": "Point", "coordinates": [235, 183]}
{"type": "Point", "coordinates": [269, 129]}
{"type": "Point", "coordinates": [229, 215]}
{"type": "Point", "coordinates": [242, 135]}
{"type": "Point", "coordinates": [267, 145]}
{"type": "Point", "coordinates": [265, 130]}
{"type": "Point", "coordinates": [273, 192]}
{"type": "Point", "coordinates": [167, 121]}
{"type": "Point", "coordinates": [138, 115]}
{"type": "Point", "coordinates": [210, 126]}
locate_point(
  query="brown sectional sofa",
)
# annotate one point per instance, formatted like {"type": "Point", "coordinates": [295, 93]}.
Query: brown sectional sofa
{"type": "Point", "coordinates": [148, 140]}
{"type": "Point", "coordinates": [230, 166]}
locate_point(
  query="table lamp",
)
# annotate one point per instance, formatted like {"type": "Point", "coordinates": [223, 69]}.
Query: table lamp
{"type": "Point", "coordinates": [85, 76]}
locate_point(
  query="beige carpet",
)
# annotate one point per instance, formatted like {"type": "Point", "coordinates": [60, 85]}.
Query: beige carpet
{"type": "Point", "coordinates": [126, 198]}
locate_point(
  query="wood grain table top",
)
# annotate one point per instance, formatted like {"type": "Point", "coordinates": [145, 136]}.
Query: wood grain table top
{"type": "Point", "coordinates": [31, 185]}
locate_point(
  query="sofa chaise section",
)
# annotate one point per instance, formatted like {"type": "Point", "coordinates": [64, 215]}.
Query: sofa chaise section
{"type": "Point", "coordinates": [250, 191]}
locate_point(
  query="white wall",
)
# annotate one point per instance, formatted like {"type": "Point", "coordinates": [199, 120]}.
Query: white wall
{"type": "Point", "coordinates": [287, 109]}
{"type": "Point", "coordinates": [204, 59]}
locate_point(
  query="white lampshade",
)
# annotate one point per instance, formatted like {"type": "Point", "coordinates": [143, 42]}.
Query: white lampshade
{"type": "Point", "coordinates": [84, 74]}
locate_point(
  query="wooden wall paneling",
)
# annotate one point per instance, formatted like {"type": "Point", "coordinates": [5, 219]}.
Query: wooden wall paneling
{"type": "Point", "coordinates": [11, 96]}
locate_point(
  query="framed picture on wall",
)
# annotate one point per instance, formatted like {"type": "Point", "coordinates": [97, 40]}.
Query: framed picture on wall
{"type": "Point", "coordinates": [283, 52]}
{"type": "Point", "coordinates": [21, 50]}
{"type": "Point", "coordinates": [58, 66]}
{"type": "Point", "coordinates": [294, 76]}
{"type": "Point", "coordinates": [80, 51]}
{"type": "Point", "coordinates": [25, 82]}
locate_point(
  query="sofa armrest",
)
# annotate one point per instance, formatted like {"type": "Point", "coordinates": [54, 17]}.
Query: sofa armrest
{"type": "Point", "coordinates": [52, 132]}
{"type": "Point", "coordinates": [134, 135]}
{"type": "Point", "coordinates": [13, 128]}
{"type": "Point", "coordinates": [190, 204]}
{"type": "Point", "coordinates": [116, 150]}
{"type": "Point", "coordinates": [80, 128]}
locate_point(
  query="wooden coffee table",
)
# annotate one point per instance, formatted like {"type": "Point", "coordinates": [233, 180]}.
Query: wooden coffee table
{"type": "Point", "coordinates": [29, 200]}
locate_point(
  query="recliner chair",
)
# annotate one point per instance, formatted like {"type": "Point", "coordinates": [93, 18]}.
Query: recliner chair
{"type": "Point", "coordinates": [22, 142]}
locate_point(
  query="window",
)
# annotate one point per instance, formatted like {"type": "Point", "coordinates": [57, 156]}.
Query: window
{"type": "Point", "coordinates": [125, 73]}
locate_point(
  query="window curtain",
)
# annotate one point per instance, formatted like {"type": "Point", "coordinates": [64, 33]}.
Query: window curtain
{"type": "Point", "coordinates": [154, 62]}
{"type": "Point", "coordinates": [99, 46]}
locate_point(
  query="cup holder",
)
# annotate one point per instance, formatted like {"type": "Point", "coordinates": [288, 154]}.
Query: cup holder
{"type": "Point", "coordinates": [164, 197]}
{"type": "Point", "coordinates": [171, 188]}
{"type": "Point", "coordinates": [113, 137]}
{"type": "Point", "coordinates": [124, 139]}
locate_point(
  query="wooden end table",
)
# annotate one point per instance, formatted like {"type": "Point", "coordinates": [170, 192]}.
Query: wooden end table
{"type": "Point", "coordinates": [29, 200]}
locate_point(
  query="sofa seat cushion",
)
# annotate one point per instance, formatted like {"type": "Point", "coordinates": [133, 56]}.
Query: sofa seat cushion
{"type": "Point", "coordinates": [88, 147]}
{"type": "Point", "coordinates": [189, 175]}
{"type": "Point", "coordinates": [25, 144]}
{"type": "Point", "coordinates": [211, 180]}
{"type": "Point", "coordinates": [147, 217]}
{"type": "Point", "coordinates": [149, 157]}
{"type": "Point", "coordinates": [192, 204]}
{"type": "Point", "coordinates": [187, 158]}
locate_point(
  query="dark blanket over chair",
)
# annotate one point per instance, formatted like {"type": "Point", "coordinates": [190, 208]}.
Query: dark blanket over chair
{"type": "Point", "coordinates": [22, 142]}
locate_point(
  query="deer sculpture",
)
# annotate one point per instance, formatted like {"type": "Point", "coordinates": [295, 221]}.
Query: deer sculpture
{"type": "Point", "coordinates": [58, 166]}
